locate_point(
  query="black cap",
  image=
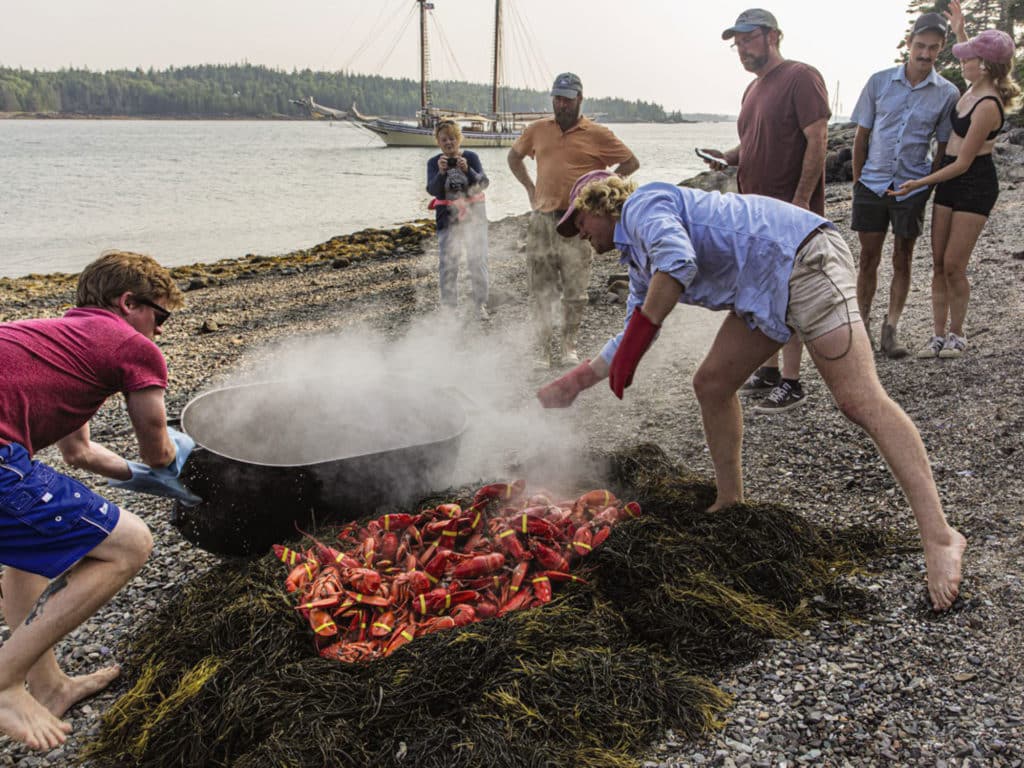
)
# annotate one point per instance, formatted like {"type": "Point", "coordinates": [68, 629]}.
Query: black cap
{"type": "Point", "coordinates": [931, 22]}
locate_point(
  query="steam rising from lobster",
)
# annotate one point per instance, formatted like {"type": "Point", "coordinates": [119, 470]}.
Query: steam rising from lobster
{"type": "Point", "coordinates": [402, 576]}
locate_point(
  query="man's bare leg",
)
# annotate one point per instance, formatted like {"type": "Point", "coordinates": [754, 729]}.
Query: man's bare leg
{"type": "Point", "coordinates": [899, 289]}
{"type": "Point", "coordinates": [64, 604]}
{"type": "Point", "coordinates": [843, 357]}
{"type": "Point", "coordinates": [871, 244]}
{"type": "Point", "coordinates": [735, 354]}
{"type": "Point", "coordinates": [792, 353]}
{"type": "Point", "coordinates": [47, 682]}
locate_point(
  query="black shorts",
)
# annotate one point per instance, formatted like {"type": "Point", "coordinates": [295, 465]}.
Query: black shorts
{"type": "Point", "coordinates": [872, 213]}
{"type": "Point", "coordinates": [973, 191]}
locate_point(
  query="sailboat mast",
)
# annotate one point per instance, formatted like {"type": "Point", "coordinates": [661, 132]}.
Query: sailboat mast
{"type": "Point", "coordinates": [424, 54]}
{"type": "Point", "coordinates": [496, 73]}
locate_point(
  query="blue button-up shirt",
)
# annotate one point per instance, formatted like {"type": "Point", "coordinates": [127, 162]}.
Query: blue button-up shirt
{"type": "Point", "coordinates": [902, 119]}
{"type": "Point", "coordinates": [727, 251]}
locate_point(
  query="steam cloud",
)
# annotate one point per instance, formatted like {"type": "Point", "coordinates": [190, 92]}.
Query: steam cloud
{"type": "Point", "coordinates": [304, 401]}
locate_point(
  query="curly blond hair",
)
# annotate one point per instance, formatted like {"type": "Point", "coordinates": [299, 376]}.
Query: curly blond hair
{"type": "Point", "coordinates": [116, 272]}
{"type": "Point", "coordinates": [453, 128]}
{"type": "Point", "coordinates": [605, 196]}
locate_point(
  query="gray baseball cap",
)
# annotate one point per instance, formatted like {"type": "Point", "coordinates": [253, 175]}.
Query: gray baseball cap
{"type": "Point", "coordinates": [750, 20]}
{"type": "Point", "coordinates": [567, 85]}
{"type": "Point", "coordinates": [931, 22]}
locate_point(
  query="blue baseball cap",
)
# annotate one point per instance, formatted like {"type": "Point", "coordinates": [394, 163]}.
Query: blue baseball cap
{"type": "Point", "coordinates": [750, 20]}
{"type": "Point", "coordinates": [567, 85]}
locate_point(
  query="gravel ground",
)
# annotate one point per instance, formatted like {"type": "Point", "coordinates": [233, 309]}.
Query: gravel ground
{"type": "Point", "coordinates": [901, 687]}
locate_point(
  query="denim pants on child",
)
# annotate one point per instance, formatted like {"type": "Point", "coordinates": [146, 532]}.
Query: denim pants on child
{"type": "Point", "coordinates": [469, 235]}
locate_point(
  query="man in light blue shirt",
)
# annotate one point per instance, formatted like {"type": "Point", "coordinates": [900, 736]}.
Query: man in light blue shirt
{"type": "Point", "coordinates": [898, 113]}
{"type": "Point", "coordinates": [778, 269]}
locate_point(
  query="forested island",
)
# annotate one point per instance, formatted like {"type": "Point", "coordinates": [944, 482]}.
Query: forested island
{"type": "Point", "coordinates": [249, 91]}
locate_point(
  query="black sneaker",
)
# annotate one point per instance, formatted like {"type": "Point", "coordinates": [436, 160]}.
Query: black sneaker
{"type": "Point", "coordinates": [761, 380]}
{"type": "Point", "coordinates": [786, 396]}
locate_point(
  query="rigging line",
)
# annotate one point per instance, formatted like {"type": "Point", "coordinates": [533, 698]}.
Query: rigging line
{"type": "Point", "coordinates": [528, 65]}
{"type": "Point", "coordinates": [447, 48]}
{"type": "Point", "coordinates": [529, 69]}
{"type": "Point", "coordinates": [535, 58]}
{"type": "Point", "coordinates": [372, 37]}
{"type": "Point", "coordinates": [413, 13]}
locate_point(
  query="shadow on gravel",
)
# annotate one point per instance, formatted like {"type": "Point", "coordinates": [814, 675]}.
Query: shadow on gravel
{"type": "Point", "coordinates": [226, 675]}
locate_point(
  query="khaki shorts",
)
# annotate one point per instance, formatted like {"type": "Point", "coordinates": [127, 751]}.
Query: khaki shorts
{"type": "Point", "coordinates": [822, 287]}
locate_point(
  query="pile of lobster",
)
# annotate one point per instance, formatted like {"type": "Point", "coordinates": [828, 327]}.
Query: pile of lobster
{"type": "Point", "coordinates": [402, 575]}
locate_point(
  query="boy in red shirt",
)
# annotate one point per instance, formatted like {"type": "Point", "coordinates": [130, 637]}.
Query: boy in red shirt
{"type": "Point", "coordinates": [67, 550]}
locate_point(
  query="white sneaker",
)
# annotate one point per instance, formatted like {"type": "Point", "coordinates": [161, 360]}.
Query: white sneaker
{"type": "Point", "coordinates": [954, 346]}
{"type": "Point", "coordinates": [932, 348]}
{"type": "Point", "coordinates": [482, 314]}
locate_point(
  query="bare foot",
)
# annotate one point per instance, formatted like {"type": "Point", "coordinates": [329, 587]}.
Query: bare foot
{"type": "Point", "coordinates": [71, 690]}
{"type": "Point", "coordinates": [943, 563]}
{"type": "Point", "coordinates": [721, 503]}
{"type": "Point", "coordinates": [26, 720]}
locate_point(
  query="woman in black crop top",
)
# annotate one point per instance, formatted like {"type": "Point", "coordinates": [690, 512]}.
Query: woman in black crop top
{"type": "Point", "coordinates": [967, 183]}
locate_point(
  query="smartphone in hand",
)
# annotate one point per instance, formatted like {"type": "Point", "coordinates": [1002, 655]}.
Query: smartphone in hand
{"type": "Point", "coordinates": [709, 157]}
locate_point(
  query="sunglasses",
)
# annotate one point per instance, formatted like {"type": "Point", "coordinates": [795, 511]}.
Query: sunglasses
{"type": "Point", "coordinates": [160, 315]}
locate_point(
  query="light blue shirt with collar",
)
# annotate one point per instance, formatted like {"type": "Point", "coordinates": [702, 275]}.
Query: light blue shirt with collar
{"type": "Point", "coordinates": [727, 251]}
{"type": "Point", "coordinates": [902, 119]}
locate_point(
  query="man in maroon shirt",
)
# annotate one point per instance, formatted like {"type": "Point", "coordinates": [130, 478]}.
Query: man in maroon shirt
{"type": "Point", "coordinates": [783, 127]}
{"type": "Point", "coordinates": [66, 550]}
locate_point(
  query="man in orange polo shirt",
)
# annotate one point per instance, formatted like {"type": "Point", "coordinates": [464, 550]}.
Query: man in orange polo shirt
{"type": "Point", "coordinates": [564, 146]}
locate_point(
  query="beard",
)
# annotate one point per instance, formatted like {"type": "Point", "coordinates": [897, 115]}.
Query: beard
{"type": "Point", "coordinates": [567, 118]}
{"type": "Point", "coordinates": [754, 63]}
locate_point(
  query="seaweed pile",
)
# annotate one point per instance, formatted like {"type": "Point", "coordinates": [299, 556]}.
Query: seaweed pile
{"type": "Point", "coordinates": [225, 675]}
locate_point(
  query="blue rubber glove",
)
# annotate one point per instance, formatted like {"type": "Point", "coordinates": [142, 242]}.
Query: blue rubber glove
{"type": "Point", "coordinates": [183, 447]}
{"type": "Point", "coordinates": [163, 481]}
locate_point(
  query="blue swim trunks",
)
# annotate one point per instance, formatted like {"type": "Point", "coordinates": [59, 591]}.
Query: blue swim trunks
{"type": "Point", "coordinates": [48, 521]}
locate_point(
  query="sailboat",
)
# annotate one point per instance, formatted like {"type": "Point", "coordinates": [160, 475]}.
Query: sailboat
{"type": "Point", "coordinates": [493, 129]}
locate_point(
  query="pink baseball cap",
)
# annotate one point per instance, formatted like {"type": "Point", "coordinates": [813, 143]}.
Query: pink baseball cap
{"type": "Point", "coordinates": [566, 226]}
{"type": "Point", "coordinates": [991, 45]}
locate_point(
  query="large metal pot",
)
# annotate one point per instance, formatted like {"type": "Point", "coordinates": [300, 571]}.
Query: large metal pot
{"type": "Point", "coordinates": [272, 455]}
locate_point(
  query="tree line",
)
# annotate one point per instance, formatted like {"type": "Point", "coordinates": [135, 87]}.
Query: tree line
{"type": "Point", "coordinates": [248, 91]}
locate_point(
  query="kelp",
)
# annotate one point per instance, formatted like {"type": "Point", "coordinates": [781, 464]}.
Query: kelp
{"type": "Point", "coordinates": [226, 674]}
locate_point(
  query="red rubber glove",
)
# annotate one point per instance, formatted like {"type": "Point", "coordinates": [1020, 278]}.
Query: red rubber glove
{"type": "Point", "coordinates": [638, 337]}
{"type": "Point", "coordinates": [562, 391]}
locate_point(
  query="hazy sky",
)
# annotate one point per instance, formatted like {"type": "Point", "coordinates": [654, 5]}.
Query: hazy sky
{"type": "Point", "coordinates": [666, 51]}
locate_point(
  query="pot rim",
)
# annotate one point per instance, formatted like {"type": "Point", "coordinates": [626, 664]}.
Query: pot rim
{"type": "Point", "coordinates": [456, 398]}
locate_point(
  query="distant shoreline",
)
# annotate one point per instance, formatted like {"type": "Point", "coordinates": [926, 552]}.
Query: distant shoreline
{"type": "Point", "coordinates": [79, 116]}
{"type": "Point", "coordinates": [279, 117]}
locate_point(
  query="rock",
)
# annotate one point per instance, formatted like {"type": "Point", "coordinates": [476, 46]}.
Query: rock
{"type": "Point", "coordinates": [713, 181]}
{"type": "Point", "coordinates": [209, 326]}
{"type": "Point", "coordinates": [1011, 136]}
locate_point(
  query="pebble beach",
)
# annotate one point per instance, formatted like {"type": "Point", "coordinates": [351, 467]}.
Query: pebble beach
{"type": "Point", "coordinates": [900, 686]}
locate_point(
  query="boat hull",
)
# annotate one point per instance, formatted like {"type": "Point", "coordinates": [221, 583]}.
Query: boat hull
{"type": "Point", "coordinates": [395, 134]}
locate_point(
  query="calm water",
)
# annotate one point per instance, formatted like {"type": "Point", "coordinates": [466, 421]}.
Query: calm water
{"type": "Point", "coordinates": [200, 191]}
